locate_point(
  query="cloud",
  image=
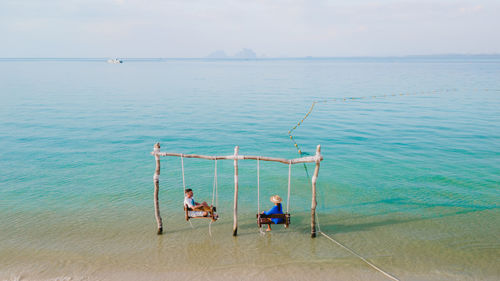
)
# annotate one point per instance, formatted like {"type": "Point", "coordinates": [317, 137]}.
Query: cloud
{"type": "Point", "coordinates": [193, 28]}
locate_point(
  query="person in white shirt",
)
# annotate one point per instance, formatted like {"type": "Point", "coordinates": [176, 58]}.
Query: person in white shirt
{"type": "Point", "coordinates": [198, 209]}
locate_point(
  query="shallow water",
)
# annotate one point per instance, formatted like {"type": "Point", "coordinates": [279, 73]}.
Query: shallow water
{"type": "Point", "coordinates": [410, 182]}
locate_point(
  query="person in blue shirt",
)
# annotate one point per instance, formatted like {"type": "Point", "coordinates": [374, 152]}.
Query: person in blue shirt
{"type": "Point", "coordinates": [276, 209]}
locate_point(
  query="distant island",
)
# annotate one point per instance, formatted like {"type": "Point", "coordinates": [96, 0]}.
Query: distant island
{"type": "Point", "coordinates": [250, 54]}
{"type": "Point", "coordinates": [243, 54]}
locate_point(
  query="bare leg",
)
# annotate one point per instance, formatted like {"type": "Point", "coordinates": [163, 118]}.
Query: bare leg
{"type": "Point", "coordinates": [203, 208]}
{"type": "Point", "coordinates": [268, 227]}
{"type": "Point", "coordinates": [213, 215]}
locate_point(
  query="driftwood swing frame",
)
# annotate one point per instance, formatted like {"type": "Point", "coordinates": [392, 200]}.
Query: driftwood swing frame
{"type": "Point", "coordinates": [317, 158]}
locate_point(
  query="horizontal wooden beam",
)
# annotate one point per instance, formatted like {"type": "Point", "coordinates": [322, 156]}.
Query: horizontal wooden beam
{"type": "Point", "coordinates": [307, 159]}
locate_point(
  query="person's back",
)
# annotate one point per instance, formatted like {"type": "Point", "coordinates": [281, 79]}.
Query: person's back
{"type": "Point", "coordinates": [275, 210]}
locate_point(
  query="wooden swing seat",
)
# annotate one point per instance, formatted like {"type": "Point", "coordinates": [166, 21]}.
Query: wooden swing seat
{"type": "Point", "coordinates": [265, 219]}
{"type": "Point", "coordinates": [211, 214]}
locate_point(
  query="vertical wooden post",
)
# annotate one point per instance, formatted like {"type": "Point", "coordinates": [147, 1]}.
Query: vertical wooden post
{"type": "Point", "coordinates": [235, 214]}
{"type": "Point", "coordinates": [156, 179]}
{"type": "Point", "coordinates": [313, 181]}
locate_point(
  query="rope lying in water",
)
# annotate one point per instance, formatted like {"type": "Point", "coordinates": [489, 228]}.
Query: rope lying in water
{"type": "Point", "coordinates": [346, 99]}
{"type": "Point", "coordinates": [390, 276]}
{"type": "Point", "coordinates": [290, 135]}
{"type": "Point", "coordinates": [385, 273]}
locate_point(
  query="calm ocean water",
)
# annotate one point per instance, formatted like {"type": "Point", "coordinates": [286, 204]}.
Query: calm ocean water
{"type": "Point", "coordinates": [412, 183]}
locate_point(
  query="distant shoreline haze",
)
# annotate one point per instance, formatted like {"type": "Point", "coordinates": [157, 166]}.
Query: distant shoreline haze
{"type": "Point", "coordinates": [248, 54]}
{"type": "Point", "coordinates": [243, 54]}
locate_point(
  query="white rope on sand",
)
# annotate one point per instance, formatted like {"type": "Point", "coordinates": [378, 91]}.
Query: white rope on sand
{"type": "Point", "coordinates": [390, 276]}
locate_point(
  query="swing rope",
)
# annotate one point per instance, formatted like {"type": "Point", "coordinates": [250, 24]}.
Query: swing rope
{"type": "Point", "coordinates": [214, 196]}
{"type": "Point", "coordinates": [258, 193]}
{"type": "Point", "coordinates": [258, 185]}
{"type": "Point", "coordinates": [183, 179]}
{"type": "Point", "coordinates": [289, 176]}
{"type": "Point", "coordinates": [258, 189]}
{"type": "Point", "coordinates": [184, 183]}
{"type": "Point", "coordinates": [214, 191]}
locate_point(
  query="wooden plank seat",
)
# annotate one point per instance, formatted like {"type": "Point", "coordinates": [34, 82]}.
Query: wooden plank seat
{"type": "Point", "coordinates": [212, 214]}
{"type": "Point", "coordinates": [265, 219]}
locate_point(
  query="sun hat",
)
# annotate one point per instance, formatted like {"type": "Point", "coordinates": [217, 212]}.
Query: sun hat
{"type": "Point", "coordinates": [276, 199]}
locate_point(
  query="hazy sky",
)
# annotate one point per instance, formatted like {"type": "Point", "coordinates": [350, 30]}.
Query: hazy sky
{"type": "Point", "coordinates": [276, 28]}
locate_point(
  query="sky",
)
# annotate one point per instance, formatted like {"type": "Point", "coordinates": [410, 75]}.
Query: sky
{"type": "Point", "coordinates": [272, 28]}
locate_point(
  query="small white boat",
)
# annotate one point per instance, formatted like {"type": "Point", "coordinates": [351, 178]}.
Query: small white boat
{"type": "Point", "coordinates": [115, 61]}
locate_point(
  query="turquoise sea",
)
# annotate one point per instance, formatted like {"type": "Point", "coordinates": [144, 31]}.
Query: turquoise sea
{"type": "Point", "coordinates": [411, 183]}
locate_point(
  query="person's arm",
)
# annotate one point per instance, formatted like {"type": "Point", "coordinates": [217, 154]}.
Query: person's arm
{"type": "Point", "coordinates": [197, 205]}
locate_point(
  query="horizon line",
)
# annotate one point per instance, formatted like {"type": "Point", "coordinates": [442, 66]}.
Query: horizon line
{"type": "Point", "coordinates": [261, 58]}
